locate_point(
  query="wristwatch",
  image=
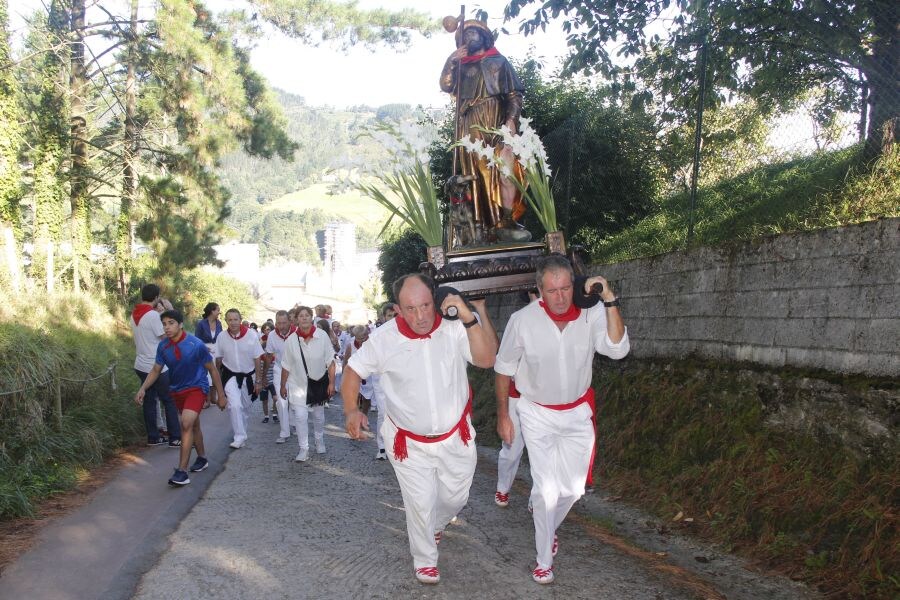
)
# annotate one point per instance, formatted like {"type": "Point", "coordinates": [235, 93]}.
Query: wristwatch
{"type": "Point", "coordinates": [471, 323]}
{"type": "Point", "coordinates": [611, 303]}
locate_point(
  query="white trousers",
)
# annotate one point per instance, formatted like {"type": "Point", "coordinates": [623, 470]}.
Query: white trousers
{"type": "Point", "coordinates": [510, 454]}
{"type": "Point", "coordinates": [378, 404]}
{"type": "Point", "coordinates": [300, 417]}
{"type": "Point", "coordinates": [559, 450]}
{"type": "Point", "coordinates": [238, 408]}
{"type": "Point", "coordinates": [435, 480]}
{"type": "Point", "coordinates": [284, 414]}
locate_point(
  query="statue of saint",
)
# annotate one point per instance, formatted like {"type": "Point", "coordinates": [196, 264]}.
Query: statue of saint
{"type": "Point", "coordinates": [489, 95]}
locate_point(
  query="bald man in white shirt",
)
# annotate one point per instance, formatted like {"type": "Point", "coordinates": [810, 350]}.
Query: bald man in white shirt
{"type": "Point", "coordinates": [239, 356]}
{"type": "Point", "coordinates": [421, 361]}
{"type": "Point", "coordinates": [548, 347]}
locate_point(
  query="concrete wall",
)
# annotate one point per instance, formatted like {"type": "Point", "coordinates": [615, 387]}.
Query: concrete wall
{"type": "Point", "coordinates": [826, 299]}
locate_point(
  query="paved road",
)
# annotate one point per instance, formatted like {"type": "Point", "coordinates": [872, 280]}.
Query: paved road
{"type": "Point", "coordinates": [334, 528]}
{"type": "Point", "coordinates": [101, 549]}
{"type": "Point", "coordinates": [258, 525]}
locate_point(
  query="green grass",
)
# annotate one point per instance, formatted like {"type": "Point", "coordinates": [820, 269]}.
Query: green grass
{"type": "Point", "coordinates": [824, 190]}
{"type": "Point", "coordinates": [352, 205]}
{"type": "Point", "coordinates": [76, 337]}
{"type": "Point", "coordinates": [691, 436]}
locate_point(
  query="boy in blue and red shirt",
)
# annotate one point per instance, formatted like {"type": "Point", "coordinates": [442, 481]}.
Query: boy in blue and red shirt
{"type": "Point", "coordinates": [188, 361]}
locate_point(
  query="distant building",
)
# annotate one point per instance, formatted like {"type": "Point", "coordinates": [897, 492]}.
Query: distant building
{"type": "Point", "coordinates": [337, 246]}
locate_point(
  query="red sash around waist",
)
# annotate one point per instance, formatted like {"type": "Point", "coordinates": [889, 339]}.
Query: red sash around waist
{"type": "Point", "coordinates": [588, 397]}
{"type": "Point", "coordinates": [400, 450]}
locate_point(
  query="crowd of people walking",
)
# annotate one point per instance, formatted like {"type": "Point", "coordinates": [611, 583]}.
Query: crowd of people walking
{"type": "Point", "coordinates": [411, 370]}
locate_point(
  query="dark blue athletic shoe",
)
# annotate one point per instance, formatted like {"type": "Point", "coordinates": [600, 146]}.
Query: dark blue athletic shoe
{"type": "Point", "coordinates": [179, 478]}
{"type": "Point", "coordinates": [199, 465]}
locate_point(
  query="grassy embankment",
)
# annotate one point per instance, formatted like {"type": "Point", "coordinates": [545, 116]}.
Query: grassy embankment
{"type": "Point", "coordinates": [75, 337]}
{"type": "Point", "coordinates": [822, 190]}
{"type": "Point", "coordinates": [690, 437]}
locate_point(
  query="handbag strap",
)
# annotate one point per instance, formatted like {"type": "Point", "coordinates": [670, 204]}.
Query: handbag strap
{"type": "Point", "coordinates": [303, 357]}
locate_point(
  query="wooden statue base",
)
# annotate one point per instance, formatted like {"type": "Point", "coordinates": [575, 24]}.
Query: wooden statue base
{"type": "Point", "coordinates": [487, 270]}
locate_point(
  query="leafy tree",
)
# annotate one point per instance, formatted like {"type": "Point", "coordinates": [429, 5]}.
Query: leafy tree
{"type": "Point", "coordinates": [393, 112]}
{"type": "Point", "coordinates": [316, 21]}
{"type": "Point", "coordinates": [47, 107]}
{"type": "Point", "coordinates": [10, 131]}
{"type": "Point", "coordinates": [401, 253]}
{"type": "Point", "coordinates": [772, 50]}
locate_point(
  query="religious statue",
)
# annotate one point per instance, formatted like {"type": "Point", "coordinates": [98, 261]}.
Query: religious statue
{"type": "Point", "coordinates": [488, 95]}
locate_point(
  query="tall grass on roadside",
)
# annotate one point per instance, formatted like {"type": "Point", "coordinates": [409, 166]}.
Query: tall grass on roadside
{"type": "Point", "coordinates": [826, 189]}
{"type": "Point", "coordinates": [691, 437]}
{"type": "Point", "coordinates": [43, 338]}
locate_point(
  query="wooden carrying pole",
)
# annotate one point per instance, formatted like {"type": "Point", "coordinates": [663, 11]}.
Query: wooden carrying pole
{"type": "Point", "coordinates": [457, 135]}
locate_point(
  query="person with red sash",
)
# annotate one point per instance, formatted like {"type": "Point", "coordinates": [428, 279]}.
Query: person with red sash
{"type": "Point", "coordinates": [307, 380]}
{"type": "Point", "coordinates": [421, 361]}
{"type": "Point", "coordinates": [548, 347]}
{"type": "Point", "coordinates": [283, 331]}
{"type": "Point", "coordinates": [147, 329]}
{"type": "Point", "coordinates": [239, 355]}
{"type": "Point", "coordinates": [188, 362]}
{"type": "Point", "coordinates": [489, 96]}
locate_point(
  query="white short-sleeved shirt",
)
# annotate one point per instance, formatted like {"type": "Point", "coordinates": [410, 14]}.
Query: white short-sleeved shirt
{"type": "Point", "coordinates": [552, 366]}
{"type": "Point", "coordinates": [367, 386]}
{"type": "Point", "coordinates": [319, 354]}
{"type": "Point", "coordinates": [424, 380]}
{"type": "Point", "coordinates": [147, 335]}
{"type": "Point", "coordinates": [238, 354]}
{"type": "Point", "coordinates": [275, 344]}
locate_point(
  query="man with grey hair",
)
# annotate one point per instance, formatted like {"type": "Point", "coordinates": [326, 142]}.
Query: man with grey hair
{"type": "Point", "coordinates": [548, 348]}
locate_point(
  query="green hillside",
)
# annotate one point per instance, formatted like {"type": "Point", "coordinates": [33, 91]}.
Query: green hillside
{"type": "Point", "coordinates": [351, 205]}
{"type": "Point", "coordinates": [825, 189]}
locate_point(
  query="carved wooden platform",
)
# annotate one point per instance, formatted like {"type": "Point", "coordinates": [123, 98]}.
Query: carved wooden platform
{"type": "Point", "coordinates": [478, 272]}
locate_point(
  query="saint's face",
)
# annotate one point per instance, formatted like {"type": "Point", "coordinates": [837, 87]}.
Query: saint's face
{"type": "Point", "coordinates": [473, 40]}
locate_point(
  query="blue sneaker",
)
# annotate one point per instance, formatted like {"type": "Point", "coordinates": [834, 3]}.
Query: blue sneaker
{"type": "Point", "coordinates": [158, 441]}
{"type": "Point", "coordinates": [179, 478]}
{"type": "Point", "coordinates": [199, 465]}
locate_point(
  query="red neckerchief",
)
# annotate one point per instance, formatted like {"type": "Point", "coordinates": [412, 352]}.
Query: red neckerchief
{"type": "Point", "coordinates": [357, 345]}
{"type": "Point", "coordinates": [291, 330]}
{"type": "Point", "coordinates": [174, 344]}
{"type": "Point", "coordinates": [306, 336]}
{"type": "Point", "coordinates": [570, 315]}
{"type": "Point", "coordinates": [139, 311]}
{"type": "Point", "coordinates": [404, 328]}
{"type": "Point", "coordinates": [492, 51]}
{"type": "Point", "coordinates": [461, 199]}
{"type": "Point", "coordinates": [242, 333]}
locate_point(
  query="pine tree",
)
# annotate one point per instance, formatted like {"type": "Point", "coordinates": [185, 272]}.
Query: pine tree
{"type": "Point", "coordinates": [10, 144]}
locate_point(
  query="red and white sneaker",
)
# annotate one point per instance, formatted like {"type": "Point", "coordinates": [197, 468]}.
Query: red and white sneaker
{"type": "Point", "coordinates": [429, 574]}
{"type": "Point", "coordinates": [555, 548]}
{"type": "Point", "coordinates": [438, 536]}
{"type": "Point", "coordinates": [501, 500]}
{"type": "Point", "coordinates": [542, 576]}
